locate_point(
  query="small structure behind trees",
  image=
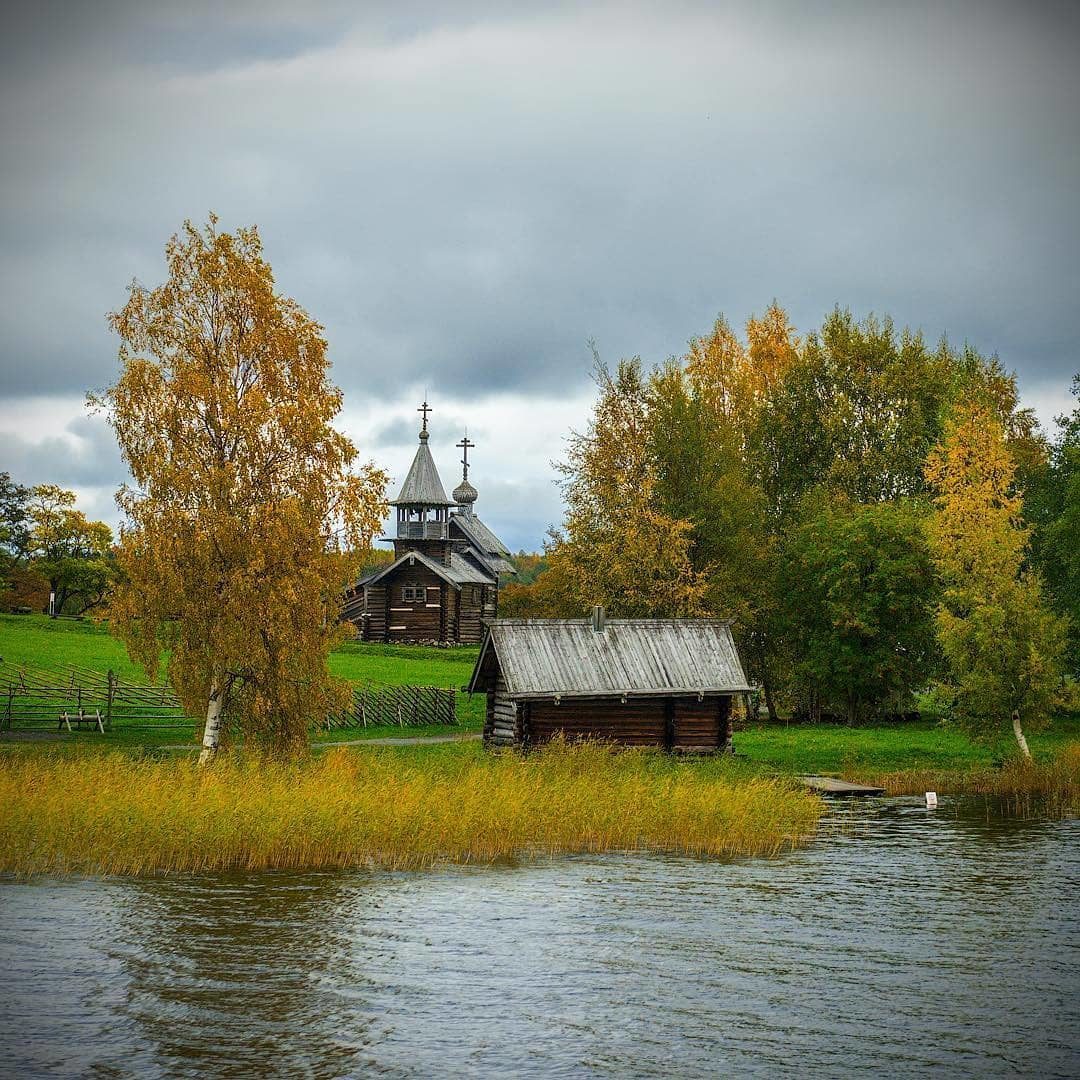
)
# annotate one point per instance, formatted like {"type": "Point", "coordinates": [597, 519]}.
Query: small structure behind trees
{"type": "Point", "coordinates": [636, 682]}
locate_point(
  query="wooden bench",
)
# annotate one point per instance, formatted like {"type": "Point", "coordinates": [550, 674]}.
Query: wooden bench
{"type": "Point", "coordinates": [83, 716]}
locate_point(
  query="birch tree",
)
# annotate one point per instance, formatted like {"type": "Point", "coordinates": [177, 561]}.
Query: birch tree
{"type": "Point", "coordinates": [1002, 643]}
{"type": "Point", "coordinates": [246, 518]}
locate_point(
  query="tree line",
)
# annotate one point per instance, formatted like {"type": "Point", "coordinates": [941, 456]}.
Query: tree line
{"type": "Point", "coordinates": [877, 517]}
{"type": "Point", "coordinates": [47, 546]}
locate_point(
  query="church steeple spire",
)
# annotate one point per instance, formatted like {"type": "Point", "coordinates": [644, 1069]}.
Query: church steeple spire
{"type": "Point", "coordinates": [422, 505]}
{"type": "Point", "coordinates": [465, 494]}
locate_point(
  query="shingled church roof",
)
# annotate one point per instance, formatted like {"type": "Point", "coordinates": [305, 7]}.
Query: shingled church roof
{"type": "Point", "coordinates": [422, 485]}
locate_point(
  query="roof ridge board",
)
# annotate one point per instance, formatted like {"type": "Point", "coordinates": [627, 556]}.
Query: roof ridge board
{"type": "Point", "coordinates": [515, 620]}
{"type": "Point", "coordinates": [655, 691]}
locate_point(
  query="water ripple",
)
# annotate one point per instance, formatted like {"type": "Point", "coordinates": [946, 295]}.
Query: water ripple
{"type": "Point", "coordinates": [901, 941]}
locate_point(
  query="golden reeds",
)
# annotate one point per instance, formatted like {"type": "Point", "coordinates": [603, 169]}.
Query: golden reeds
{"type": "Point", "coordinates": [1050, 786]}
{"type": "Point", "coordinates": [379, 807]}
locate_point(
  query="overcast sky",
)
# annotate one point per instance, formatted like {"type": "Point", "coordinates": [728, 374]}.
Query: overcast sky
{"type": "Point", "coordinates": [465, 194]}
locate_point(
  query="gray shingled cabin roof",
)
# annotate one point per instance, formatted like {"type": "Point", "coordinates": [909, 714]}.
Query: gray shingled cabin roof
{"type": "Point", "coordinates": [568, 658]}
{"type": "Point", "coordinates": [422, 486]}
{"type": "Point", "coordinates": [461, 571]}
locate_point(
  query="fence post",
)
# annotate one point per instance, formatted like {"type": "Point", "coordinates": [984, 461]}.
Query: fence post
{"type": "Point", "coordinates": [109, 698]}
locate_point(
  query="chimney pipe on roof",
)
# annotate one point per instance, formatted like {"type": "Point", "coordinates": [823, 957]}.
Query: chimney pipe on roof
{"type": "Point", "coordinates": [599, 619]}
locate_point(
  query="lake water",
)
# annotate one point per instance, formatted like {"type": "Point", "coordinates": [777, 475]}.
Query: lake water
{"type": "Point", "coordinates": [903, 941]}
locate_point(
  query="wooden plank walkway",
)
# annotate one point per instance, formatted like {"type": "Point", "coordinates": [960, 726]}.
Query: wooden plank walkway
{"type": "Point", "coordinates": [829, 785]}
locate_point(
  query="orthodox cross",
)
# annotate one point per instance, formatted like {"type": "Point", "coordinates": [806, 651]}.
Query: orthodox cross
{"type": "Point", "coordinates": [466, 446]}
{"type": "Point", "coordinates": [425, 409]}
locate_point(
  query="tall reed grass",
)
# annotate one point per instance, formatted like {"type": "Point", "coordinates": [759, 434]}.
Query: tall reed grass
{"type": "Point", "coordinates": [379, 807]}
{"type": "Point", "coordinates": [1051, 785]}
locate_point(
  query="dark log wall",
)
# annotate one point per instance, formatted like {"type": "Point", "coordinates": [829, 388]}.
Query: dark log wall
{"type": "Point", "coordinates": [413, 620]}
{"type": "Point", "coordinates": [374, 626]}
{"type": "Point", "coordinates": [470, 621]}
{"type": "Point", "coordinates": [700, 724]}
{"type": "Point", "coordinates": [640, 722]}
{"type": "Point", "coordinates": [444, 614]}
{"type": "Point", "coordinates": [503, 721]}
{"type": "Point", "coordinates": [436, 550]}
{"type": "Point", "coordinates": [681, 723]}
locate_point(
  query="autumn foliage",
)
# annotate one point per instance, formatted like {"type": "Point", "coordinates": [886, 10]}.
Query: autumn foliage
{"type": "Point", "coordinates": [1002, 643]}
{"type": "Point", "coordinates": [787, 483]}
{"type": "Point", "coordinates": [246, 518]}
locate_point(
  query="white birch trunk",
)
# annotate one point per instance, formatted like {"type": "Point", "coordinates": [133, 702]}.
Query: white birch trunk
{"type": "Point", "coordinates": [212, 732]}
{"type": "Point", "coordinates": [1019, 733]}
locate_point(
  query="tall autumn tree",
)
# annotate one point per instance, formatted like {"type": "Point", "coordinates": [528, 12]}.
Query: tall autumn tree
{"type": "Point", "coordinates": [1002, 643]}
{"type": "Point", "coordinates": [618, 547]}
{"type": "Point", "coordinates": [697, 415]}
{"type": "Point", "coordinates": [246, 520]}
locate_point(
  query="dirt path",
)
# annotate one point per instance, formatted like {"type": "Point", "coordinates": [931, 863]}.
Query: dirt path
{"type": "Point", "coordinates": [417, 740]}
{"type": "Point", "coordinates": [391, 740]}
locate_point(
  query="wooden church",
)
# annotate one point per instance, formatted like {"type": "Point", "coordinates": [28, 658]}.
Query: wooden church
{"type": "Point", "coordinates": [443, 584]}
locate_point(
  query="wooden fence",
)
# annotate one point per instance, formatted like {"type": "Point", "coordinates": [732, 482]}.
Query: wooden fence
{"type": "Point", "coordinates": [78, 697]}
{"type": "Point", "coordinates": [404, 706]}
{"type": "Point", "coordinates": [75, 696]}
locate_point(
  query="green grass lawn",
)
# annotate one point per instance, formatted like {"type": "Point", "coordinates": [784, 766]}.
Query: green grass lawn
{"type": "Point", "coordinates": [834, 748]}
{"type": "Point", "coordinates": [57, 643]}
{"type": "Point", "coordinates": [52, 643]}
{"type": "Point", "coordinates": [826, 748]}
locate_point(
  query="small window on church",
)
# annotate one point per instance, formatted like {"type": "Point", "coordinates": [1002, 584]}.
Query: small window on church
{"type": "Point", "coordinates": [412, 593]}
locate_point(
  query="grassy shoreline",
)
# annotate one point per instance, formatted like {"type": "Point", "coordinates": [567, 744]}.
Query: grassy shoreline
{"type": "Point", "coordinates": [107, 814]}
{"type": "Point", "coordinates": [119, 803]}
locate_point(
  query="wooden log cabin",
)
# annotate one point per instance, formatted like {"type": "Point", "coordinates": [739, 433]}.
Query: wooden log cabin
{"type": "Point", "coordinates": [443, 584]}
{"type": "Point", "coordinates": [637, 682]}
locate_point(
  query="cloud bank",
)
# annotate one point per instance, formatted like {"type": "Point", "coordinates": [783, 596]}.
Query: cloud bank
{"type": "Point", "coordinates": [465, 196]}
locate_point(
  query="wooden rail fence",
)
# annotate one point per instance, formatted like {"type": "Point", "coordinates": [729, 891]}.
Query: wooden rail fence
{"type": "Point", "coordinates": [404, 706]}
{"type": "Point", "coordinates": [79, 697]}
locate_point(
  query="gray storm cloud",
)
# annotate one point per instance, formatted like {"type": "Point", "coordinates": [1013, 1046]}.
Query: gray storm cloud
{"type": "Point", "coordinates": [465, 195]}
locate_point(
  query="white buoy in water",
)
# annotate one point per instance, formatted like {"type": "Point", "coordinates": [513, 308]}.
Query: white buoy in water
{"type": "Point", "coordinates": [931, 800]}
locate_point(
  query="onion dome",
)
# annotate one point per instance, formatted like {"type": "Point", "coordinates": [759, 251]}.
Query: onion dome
{"type": "Point", "coordinates": [465, 494]}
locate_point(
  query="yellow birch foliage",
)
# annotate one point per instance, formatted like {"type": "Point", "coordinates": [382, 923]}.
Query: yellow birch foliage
{"type": "Point", "coordinates": [1002, 643]}
{"type": "Point", "coordinates": [245, 519]}
{"type": "Point", "coordinates": [772, 349]}
{"type": "Point", "coordinates": [617, 547]}
{"type": "Point", "coordinates": [718, 367]}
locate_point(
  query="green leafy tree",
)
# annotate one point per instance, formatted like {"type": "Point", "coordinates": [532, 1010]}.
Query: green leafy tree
{"type": "Point", "coordinates": [859, 591]}
{"type": "Point", "coordinates": [14, 519]}
{"type": "Point", "coordinates": [1002, 643]}
{"type": "Point", "coordinates": [1053, 503]}
{"type": "Point", "coordinates": [71, 552]}
{"type": "Point", "coordinates": [696, 445]}
{"type": "Point", "coordinates": [879, 397]}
